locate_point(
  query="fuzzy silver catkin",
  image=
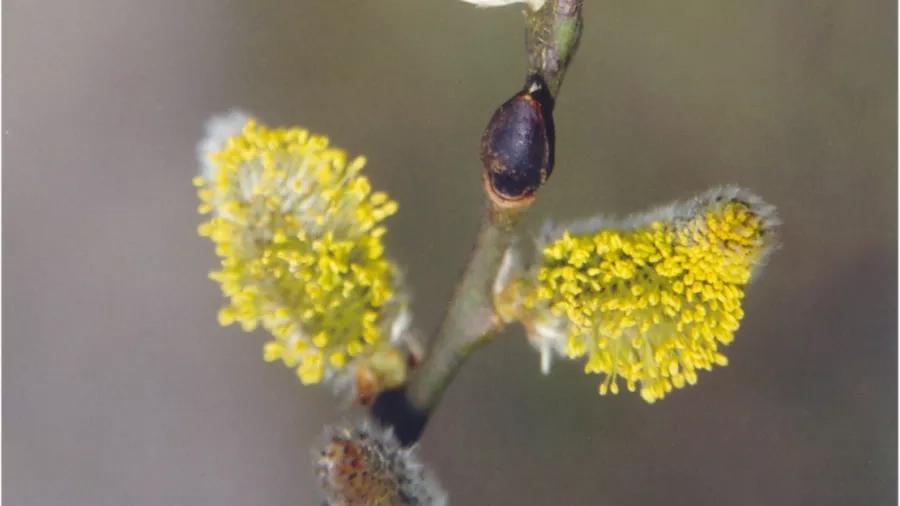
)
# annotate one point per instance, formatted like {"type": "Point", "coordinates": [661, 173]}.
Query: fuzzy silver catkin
{"type": "Point", "coordinates": [365, 465]}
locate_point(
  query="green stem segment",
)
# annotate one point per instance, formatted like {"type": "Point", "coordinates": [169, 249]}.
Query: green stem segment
{"type": "Point", "coordinates": [469, 322]}
{"type": "Point", "coordinates": [551, 40]}
{"type": "Point", "coordinates": [470, 319]}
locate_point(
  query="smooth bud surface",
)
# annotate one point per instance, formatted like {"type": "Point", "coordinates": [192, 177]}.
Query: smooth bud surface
{"type": "Point", "coordinates": [517, 148]}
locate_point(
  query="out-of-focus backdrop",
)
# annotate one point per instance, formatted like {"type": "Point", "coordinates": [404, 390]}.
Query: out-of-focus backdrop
{"type": "Point", "coordinates": [120, 389]}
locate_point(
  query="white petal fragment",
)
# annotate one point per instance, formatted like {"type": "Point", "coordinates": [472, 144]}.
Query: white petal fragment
{"type": "Point", "coordinates": [533, 4]}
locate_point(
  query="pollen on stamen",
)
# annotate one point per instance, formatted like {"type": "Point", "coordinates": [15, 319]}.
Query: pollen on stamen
{"type": "Point", "coordinates": [653, 299]}
{"type": "Point", "coordinates": [299, 234]}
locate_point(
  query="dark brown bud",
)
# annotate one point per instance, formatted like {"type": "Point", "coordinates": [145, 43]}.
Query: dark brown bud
{"type": "Point", "coordinates": [517, 148]}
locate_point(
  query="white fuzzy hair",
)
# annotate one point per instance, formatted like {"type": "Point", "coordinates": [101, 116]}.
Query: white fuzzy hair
{"type": "Point", "coordinates": [674, 212]}
{"type": "Point", "coordinates": [219, 129]}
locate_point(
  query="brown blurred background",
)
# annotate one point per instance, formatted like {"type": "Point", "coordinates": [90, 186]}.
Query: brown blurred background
{"type": "Point", "coordinates": [120, 389]}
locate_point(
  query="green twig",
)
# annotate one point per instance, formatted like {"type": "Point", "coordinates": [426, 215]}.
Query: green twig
{"type": "Point", "coordinates": [470, 318]}
{"type": "Point", "coordinates": [551, 40]}
{"type": "Point", "coordinates": [518, 154]}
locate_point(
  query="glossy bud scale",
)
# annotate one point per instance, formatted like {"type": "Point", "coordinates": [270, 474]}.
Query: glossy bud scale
{"type": "Point", "coordinates": [517, 148]}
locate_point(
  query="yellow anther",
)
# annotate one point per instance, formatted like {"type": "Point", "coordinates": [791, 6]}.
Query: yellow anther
{"type": "Point", "coordinates": [653, 303]}
{"type": "Point", "coordinates": [296, 256]}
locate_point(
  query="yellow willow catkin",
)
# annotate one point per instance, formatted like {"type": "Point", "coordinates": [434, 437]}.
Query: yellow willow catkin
{"type": "Point", "coordinates": [653, 299]}
{"type": "Point", "coordinates": [298, 231]}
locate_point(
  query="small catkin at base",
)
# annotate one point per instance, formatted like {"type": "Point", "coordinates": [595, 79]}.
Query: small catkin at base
{"type": "Point", "coordinates": [366, 466]}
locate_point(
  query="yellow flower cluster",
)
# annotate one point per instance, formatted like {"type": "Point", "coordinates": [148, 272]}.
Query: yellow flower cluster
{"type": "Point", "coordinates": [298, 232]}
{"type": "Point", "coordinates": [652, 301]}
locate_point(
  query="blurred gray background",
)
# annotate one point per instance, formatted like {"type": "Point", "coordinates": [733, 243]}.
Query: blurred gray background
{"type": "Point", "coordinates": [120, 389]}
